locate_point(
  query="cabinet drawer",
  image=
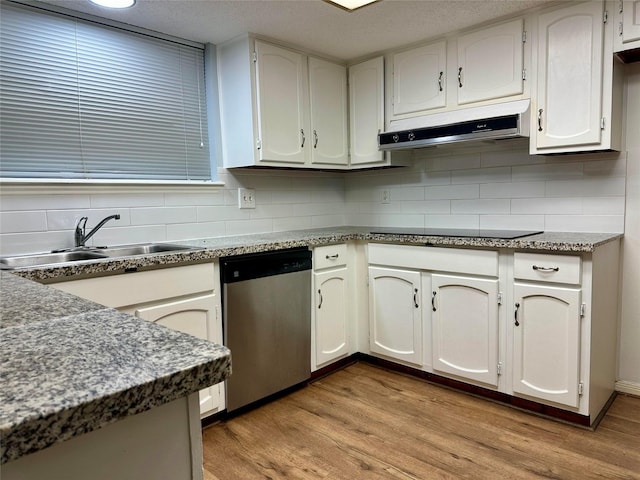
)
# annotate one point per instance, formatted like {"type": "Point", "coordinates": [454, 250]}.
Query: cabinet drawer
{"type": "Point", "coordinates": [330, 256]}
{"type": "Point", "coordinates": [548, 268]}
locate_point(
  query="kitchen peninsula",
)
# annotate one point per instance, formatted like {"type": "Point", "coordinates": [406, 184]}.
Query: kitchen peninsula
{"type": "Point", "coordinates": [89, 391]}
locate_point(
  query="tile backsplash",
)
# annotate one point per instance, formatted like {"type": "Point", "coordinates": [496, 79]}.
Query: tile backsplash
{"type": "Point", "coordinates": [464, 188]}
{"type": "Point", "coordinates": [505, 189]}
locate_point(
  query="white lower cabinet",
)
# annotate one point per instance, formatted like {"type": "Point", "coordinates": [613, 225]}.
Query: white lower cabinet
{"type": "Point", "coordinates": [332, 340]}
{"type": "Point", "coordinates": [464, 318]}
{"type": "Point", "coordinates": [184, 298]}
{"type": "Point", "coordinates": [331, 306]}
{"type": "Point", "coordinates": [546, 342]}
{"type": "Point", "coordinates": [196, 316]}
{"type": "Point", "coordinates": [395, 314]}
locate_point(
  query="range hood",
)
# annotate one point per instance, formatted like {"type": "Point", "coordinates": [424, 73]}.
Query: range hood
{"type": "Point", "coordinates": [490, 122]}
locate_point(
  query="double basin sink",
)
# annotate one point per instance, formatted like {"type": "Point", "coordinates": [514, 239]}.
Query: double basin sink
{"type": "Point", "coordinates": [88, 253]}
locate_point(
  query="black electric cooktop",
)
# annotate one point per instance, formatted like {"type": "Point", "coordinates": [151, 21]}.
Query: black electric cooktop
{"type": "Point", "coordinates": [456, 232]}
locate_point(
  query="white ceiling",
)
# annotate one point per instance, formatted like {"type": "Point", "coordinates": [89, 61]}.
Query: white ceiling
{"type": "Point", "coordinates": [309, 24]}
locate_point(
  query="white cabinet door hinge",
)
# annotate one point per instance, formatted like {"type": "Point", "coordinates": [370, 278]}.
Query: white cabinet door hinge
{"type": "Point", "coordinates": [524, 36]}
{"type": "Point", "coordinates": [583, 308]}
{"type": "Point", "coordinates": [620, 29]}
{"type": "Point", "coordinates": [499, 368]}
{"type": "Point", "coordinates": [580, 388]}
{"type": "Point", "coordinates": [605, 17]}
{"type": "Point", "coordinates": [620, 6]}
{"type": "Point", "coordinates": [258, 144]}
{"type": "Point", "coordinates": [524, 74]}
{"type": "Point", "coordinates": [255, 57]}
{"type": "Point", "coordinates": [499, 298]}
{"type": "Point", "coordinates": [602, 123]}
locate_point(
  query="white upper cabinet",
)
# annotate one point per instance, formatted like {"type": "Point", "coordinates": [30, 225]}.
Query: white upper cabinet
{"type": "Point", "coordinates": [280, 108]}
{"type": "Point", "coordinates": [366, 112]}
{"type": "Point", "coordinates": [328, 103]}
{"type": "Point", "coordinates": [482, 66]}
{"type": "Point", "coordinates": [578, 99]}
{"type": "Point", "coordinates": [627, 31]}
{"type": "Point", "coordinates": [491, 63]}
{"type": "Point", "coordinates": [419, 79]}
{"type": "Point", "coordinates": [283, 126]}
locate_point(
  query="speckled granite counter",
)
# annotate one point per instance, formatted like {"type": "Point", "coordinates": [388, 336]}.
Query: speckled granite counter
{"type": "Point", "coordinates": [216, 247]}
{"type": "Point", "coordinates": [70, 366]}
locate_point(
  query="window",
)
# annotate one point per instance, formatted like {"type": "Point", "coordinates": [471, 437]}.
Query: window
{"type": "Point", "coordinates": [80, 100]}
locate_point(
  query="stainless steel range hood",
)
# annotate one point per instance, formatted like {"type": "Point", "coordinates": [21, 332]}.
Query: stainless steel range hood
{"type": "Point", "coordinates": [490, 122]}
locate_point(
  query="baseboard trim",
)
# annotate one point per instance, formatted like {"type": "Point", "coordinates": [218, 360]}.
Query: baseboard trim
{"type": "Point", "coordinates": [516, 402]}
{"type": "Point", "coordinates": [629, 388]}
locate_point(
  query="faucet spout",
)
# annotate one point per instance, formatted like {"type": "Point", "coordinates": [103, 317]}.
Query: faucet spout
{"type": "Point", "coordinates": [80, 236]}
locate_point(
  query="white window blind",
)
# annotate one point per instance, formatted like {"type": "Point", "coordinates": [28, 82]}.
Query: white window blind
{"type": "Point", "coordinates": [83, 100]}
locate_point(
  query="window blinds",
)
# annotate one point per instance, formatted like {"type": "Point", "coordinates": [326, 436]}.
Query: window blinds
{"type": "Point", "coordinates": [81, 100]}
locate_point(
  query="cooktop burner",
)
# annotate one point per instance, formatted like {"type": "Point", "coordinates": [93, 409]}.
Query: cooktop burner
{"type": "Point", "coordinates": [457, 232]}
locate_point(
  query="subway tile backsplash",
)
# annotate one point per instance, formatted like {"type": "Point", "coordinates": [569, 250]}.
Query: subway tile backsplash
{"type": "Point", "coordinates": [489, 189]}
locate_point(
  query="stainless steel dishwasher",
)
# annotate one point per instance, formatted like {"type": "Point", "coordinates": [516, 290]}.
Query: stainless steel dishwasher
{"type": "Point", "coordinates": [267, 322]}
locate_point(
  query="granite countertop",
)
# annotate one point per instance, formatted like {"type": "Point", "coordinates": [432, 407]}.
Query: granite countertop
{"type": "Point", "coordinates": [71, 366]}
{"type": "Point", "coordinates": [212, 248]}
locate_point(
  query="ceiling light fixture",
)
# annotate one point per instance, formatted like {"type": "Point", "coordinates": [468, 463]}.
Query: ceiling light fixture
{"type": "Point", "coordinates": [114, 3]}
{"type": "Point", "coordinates": [351, 5]}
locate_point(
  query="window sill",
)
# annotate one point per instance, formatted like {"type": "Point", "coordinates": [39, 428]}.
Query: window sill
{"type": "Point", "coordinates": [22, 186]}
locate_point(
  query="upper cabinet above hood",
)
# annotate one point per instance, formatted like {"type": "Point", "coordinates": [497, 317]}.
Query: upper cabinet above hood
{"type": "Point", "coordinates": [490, 122]}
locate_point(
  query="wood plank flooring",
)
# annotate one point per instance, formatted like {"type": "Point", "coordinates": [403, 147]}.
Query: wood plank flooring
{"type": "Point", "coordinates": [370, 423]}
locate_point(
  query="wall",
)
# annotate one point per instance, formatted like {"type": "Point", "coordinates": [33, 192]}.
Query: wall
{"type": "Point", "coordinates": [508, 188]}
{"type": "Point", "coordinates": [36, 222]}
{"type": "Point", "coordinates": [629, 367]}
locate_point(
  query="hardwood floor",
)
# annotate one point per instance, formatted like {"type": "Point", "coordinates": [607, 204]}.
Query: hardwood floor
{"type": "Point", "coordinates": [367, 422]}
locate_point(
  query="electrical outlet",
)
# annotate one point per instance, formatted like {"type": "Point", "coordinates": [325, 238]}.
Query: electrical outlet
{"type": "Point", "coordinates": [386, 196]}
{"type": "Point", "coordinates": [246, 198]}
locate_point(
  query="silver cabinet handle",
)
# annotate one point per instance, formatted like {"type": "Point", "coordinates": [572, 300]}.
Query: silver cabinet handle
{"type": "Point", "coordinates": [332, 257]}
{"type": "Point", "coordinates": [540, 120]}
{"type": "Point", "coordinates": [440, 80]}
{"type": "Point", "coordinates": [460, 77]}
{"type": "Point", "coordinates": [320, 304]}
{"type": "Point", "coordinates": [515, 316]}
{"type": "Point", "coordinates": [545, 269]}
{"type": "Point", "coordinates": [415, 297]}
{"type": "Point", "coordinates": [303, 139]}
{"type": "Point", "coordinates": [315, 139]}
{"type": "Point", "coordinates": [433, 300]}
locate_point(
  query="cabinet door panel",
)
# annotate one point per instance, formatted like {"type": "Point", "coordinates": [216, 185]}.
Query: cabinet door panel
{"type": "Point", "coordinates": [418, 79]}
{"type": "Point", "coordinates": [328, 96]}
{"type": "Point", "coordinates": [547, 343]}
{"type": "Point", "coordinates": [570, 49]}
{"type": "Point", "coordinates": [465, 327]}
{"type": "Point", "coordinates": [197, 317]}
{"type": "Point", "coordinates": [331, 315]}
{"type": "Point", "coordinates": [366, 111]}
{"type": "Point", "coordinates": [282, 96]}
{"type": "Point", "coordinates": [631, 21]}
{"type": "Point", "coordinates": [491, 61]}
{"type": "Point", "coordinates": [395, 314]}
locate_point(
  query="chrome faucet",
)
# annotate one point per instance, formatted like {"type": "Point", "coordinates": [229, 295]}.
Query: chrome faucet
{"type": "Point", "coordinates": [80, 236]}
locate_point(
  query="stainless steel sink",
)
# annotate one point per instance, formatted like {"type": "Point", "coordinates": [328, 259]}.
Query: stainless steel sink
{"type": "Point", "coordinates": [41, 259]}
{"type": "Point", "coordinates": [143, 249]}
{"type": "Point", "coordinates": [21, 261]}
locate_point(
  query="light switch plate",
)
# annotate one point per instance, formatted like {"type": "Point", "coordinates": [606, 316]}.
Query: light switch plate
{"type": "Point", "coordinates": [246, 198]}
